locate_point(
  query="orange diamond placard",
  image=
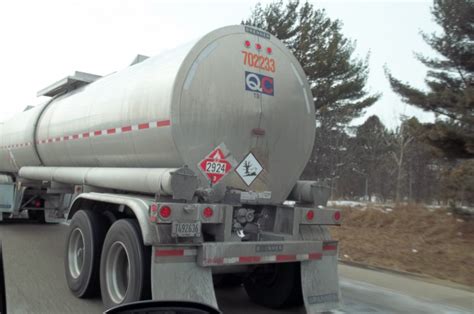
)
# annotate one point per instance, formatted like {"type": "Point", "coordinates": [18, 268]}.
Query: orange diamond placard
{"type": "Point", "coordinates": [215, 166]}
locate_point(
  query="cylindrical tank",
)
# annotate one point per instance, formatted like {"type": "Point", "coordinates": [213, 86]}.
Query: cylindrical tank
{"type": "Point", "coordinates": [237, 86]}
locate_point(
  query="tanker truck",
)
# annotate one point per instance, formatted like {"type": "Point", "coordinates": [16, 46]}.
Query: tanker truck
{"type": "Point", "coordinates": [177, 168]}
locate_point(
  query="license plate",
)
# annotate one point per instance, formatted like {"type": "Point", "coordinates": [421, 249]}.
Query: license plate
{"type": "Point", "coordinates": [186, 229]}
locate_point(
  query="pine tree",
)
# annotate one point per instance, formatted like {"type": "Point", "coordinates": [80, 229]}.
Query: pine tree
{"type": "Point", "coordinates": [336, 77]}
{"type": "Point", "coordinates": [422, 165]}
{"type": "Point", "coordinates": [370, 148]}
{"type": "Point", "coordinates": [450, 79]}
{"type": "Point", "coordinates": [458, 184]}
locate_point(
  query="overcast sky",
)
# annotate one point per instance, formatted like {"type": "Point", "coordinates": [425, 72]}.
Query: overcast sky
{"type": "Point", "coordinates": [44, 41]}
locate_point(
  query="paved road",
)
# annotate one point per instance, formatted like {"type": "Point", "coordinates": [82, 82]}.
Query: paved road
{"type": "Point", "coordinates": [33, 257]}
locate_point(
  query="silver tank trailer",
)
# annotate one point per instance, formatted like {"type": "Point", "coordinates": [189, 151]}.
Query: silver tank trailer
{"type": "Point", "coordinates": [174, 109]}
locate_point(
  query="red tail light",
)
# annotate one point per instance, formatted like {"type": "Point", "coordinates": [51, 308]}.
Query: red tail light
{"type": "Point", "coordinates": [37, 203]}
{"type": "Point", "coordinates": [310, 215]}
{"type": "Point", "coordinates": [165, 212]}
{"type": "Point", "coordinates": [337, 216]}
{"type": "Point", "coordinates": [207, 212]}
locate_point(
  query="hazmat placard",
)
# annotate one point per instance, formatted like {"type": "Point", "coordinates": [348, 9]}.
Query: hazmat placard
{"type": "Point", "coordinates": [249, 169]}
{"type": "Point", "coordinates": [215, 165]}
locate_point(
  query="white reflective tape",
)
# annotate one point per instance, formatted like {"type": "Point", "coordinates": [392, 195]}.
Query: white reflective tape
{"type": "Point", "coordinates": [269, 258]}
{"type": "Point", "coordinates": [302, 257]}
{"type": "Point", "coordinates": [231, 260]}
{"type": "Point", "coordinates": [190, 252]}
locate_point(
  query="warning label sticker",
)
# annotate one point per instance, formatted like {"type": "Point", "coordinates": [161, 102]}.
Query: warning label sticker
{"type": "Point", "coordinates": [249, 169]}
{"type": "Point", "coordinates": [215, 165]}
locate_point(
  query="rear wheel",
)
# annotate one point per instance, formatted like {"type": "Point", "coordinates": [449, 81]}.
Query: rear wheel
{"type": "Point", "coordinates": [125, 265]}
{"type": "Point", "coordinates": [275, 285]}
{"type": "Point", "coordinates": [227, 280]}
{"type": "Point", "coordinates": [82, 257]}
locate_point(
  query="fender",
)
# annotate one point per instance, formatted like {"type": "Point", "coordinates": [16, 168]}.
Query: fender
{"type": "Point", "coordinates": [138, 204]}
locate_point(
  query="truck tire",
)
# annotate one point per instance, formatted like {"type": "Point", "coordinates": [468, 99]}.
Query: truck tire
{"type": "Point", "coordinates": [125, 265]}
{"type": "Point", "coordinates": [275, 285]}
{"type": "Point", "coordinates": [227, 280]}
{"type": "Point", "coordinates": [82, 255]}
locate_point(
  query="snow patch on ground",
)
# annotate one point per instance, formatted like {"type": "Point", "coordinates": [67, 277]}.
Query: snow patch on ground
{"type": "Point", "coordinates": [347, 203]}
{"type": "Point", "coordinates": [362, 206]}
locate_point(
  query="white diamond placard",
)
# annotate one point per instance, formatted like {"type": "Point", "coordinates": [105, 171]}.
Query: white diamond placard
{"type": "Point", "coordinates": [249, 169]}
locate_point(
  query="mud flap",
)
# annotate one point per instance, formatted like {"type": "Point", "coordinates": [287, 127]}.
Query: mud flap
{"type": "Point", "coordinates": [320, 285]}
{"type": "Point", "coordinates": [319, 278]}
{"type": "Point", "coordinates": [184, 281]}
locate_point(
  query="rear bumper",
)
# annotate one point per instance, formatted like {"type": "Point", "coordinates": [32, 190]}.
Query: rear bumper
{"type": "Point", "coordinates": [246, 253]}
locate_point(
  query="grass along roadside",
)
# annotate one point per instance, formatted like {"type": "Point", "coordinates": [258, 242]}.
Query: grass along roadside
{"type": "Point", "coordinates": [410, 238]}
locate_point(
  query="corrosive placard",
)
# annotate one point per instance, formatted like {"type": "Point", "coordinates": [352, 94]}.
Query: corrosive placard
{"type": "Point", "coordinates": [215, 165]}
{"type": "Point", "coordinates": [249, 169]}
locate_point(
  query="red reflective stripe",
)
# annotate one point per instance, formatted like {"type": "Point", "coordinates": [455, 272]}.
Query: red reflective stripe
{"type": "Point", "coordinates": [163, 123]}
{"type": "Point", "coordinates": [249, 259]}
{"type": "Point", "coordinates": [169, 253]}
{"type": "Point", "coordinates": [329, 247]}
{"type": "Point", "coordinates": [284, 258]}
{"type": "Point", "coordinates": [128, 128]}
{"type": "Point", "coordinates": [142, 126]}
{"type": "Point", "coordinates": [315, 255]}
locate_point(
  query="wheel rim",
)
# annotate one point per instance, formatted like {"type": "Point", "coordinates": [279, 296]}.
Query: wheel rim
{"type": "Point", "coordinates": [117, 272]}
{"type": "Point", "coordinates": [76, 253]}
